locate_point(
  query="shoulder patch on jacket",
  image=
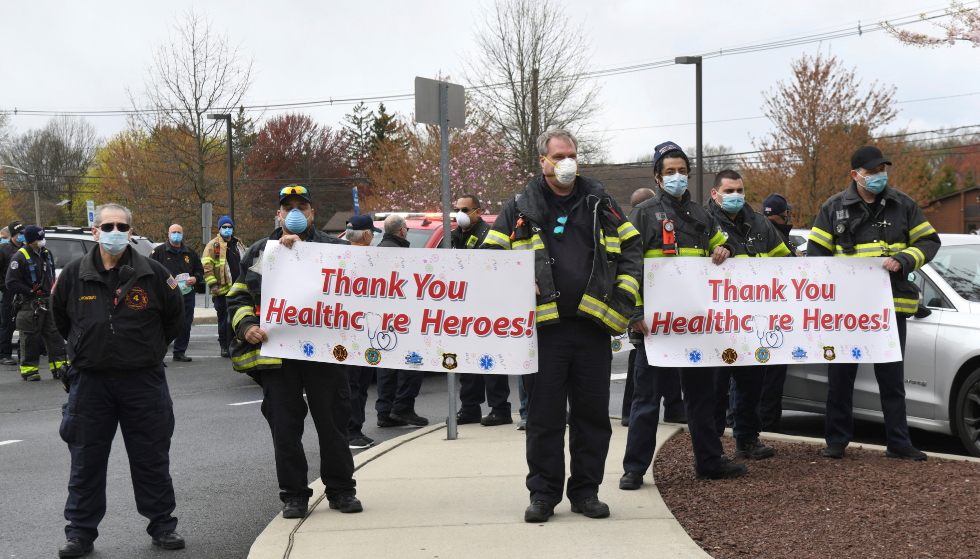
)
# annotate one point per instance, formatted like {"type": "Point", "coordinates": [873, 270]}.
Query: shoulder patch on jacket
{"type": "Point", "coordinates": [171, 282]}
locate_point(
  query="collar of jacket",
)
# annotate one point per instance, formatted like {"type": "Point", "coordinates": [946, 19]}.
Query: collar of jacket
{"type": "Point", "coordinates": [532, 204]}
{"type": "Point", "coordinates": [398, 240]}
{"type": "Point", "coordinates": [678, 206]}
{"type": "Point", "coordinates": [89, 272]}
{"type": "Point", "coordinates": [176, 250]}
{"type": "Point", "coordinates": [851, 195]}
{"type": "Point", "coordinates": [744, 215]}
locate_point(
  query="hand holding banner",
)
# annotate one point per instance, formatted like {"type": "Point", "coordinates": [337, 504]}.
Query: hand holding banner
{"type": "Point", "coordinates": [466, 311]}
{"type": "Point", "coordinates": [768, 310]}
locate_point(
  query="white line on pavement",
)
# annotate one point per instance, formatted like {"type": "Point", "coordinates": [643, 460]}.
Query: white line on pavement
{"type": "Point", "coordinates": [246, 403]}
{"type": "Point", "coordinates": [10, 442]}
{"type": "Point", "coordinates": [618, 376]}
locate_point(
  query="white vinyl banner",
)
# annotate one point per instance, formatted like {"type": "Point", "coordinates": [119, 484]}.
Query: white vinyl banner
{"type": "Point", "coordinates": [465, 311]}
{"type": "Point", "coordinates": [749, 311]}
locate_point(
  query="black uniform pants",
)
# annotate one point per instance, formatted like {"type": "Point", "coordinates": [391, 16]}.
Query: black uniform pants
{"type": "Point", "coordinates": [32, 331]}
{"type": "Point", "coordinates": [574, 366]}
{"type": "Point", "coordinates": [328, 401]}
{"type": "Point", "coordinates": [771, 407]}
{"type": "Point", "coordinates": [397, 390]}
{"type": "Point", "coordinates": [839, 424]}
{"type": "Point", "coordinates": [221, 307]}
{"type": "Point", "coordinates": [745, 384]}
{"type": "Point", "coordinates": [360, 381]}
{"type": "Point", "coordinates": [669, 388]}
{"type": "Point", "coordinates": [7, 320]}
{"type": "Point", "coordinates": [184, 337]}
{"type": "Point", "coordinates": [141, 407]}
{"type": "Point", "coordinates": [474, 389]}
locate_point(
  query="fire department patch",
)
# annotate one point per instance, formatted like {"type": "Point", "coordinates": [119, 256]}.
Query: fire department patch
{"type": "Point", "coordinates": [729, 356]}
{"type": "Point", "coordinates": [449, 361]}
{"type": "Point", "coordinates": [339, 352]}
{"type": "Point", "coordinates": [14, 265]}
{"type": "Point", "coordinates": [372, 356]}
{"type": "Point", "coordinates": [136, 299]}
{"type": "Point", "coordinates": [187, 259]}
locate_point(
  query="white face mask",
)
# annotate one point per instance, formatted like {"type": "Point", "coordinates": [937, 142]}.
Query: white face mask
{"type": "Point", "coordinates": [41, 243]}
{"type": "Point", "coordinates": [565, 170]}
{"type": "Point", "coordinates": [462, 219]}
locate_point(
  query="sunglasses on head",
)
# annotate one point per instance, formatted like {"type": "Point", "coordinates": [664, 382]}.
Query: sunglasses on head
{"type": "Point", "coordinates": [107, 227]}
{"type": "Point", "coordinates": [293, 190]}
{"type": "Point", "coordinates": [560, 230]}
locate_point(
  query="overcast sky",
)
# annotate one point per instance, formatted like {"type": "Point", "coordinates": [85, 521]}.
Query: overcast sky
{"type": "Point", "coordinates": [84, 55]}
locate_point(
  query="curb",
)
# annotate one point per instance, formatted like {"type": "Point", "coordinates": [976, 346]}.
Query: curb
{"type": "Point", "coordinates": [278, 534]}
{"type": "Point", "coordinates": [210, 318]}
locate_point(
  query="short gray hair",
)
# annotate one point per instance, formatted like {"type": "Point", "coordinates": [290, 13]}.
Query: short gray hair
{"type": "Point", "coordinates": [357, 235]}
{"type": "Point", "coordinates": [394, 224]}
{"type": "Point", "coordinates": [555, 133]}
{"type": "Point", "coordinates": [5, 230]}
{"type": "Point", "coordinates": [103, 207]}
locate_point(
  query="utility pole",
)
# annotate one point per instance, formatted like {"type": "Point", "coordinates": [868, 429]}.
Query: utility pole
{"type": "Point", "coordinates": [231, 165]}
{"type": "Point", "coordinates": [535, 124]}
{"type": "Point", "coordinates": [696, 60]}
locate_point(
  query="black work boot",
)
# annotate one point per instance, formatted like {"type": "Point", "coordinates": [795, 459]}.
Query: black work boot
{"type": "Point", "coordinates": [591, 508]}
{"type": "Point", "coordinates": [727, 470]}
{"type": "Point", "coordinates": [907, 453]}
{"type": "Point", "coordinates": [754, 451]}
{"type": "Point", "coordinates": [496, 418]}
{"type": "Point", "coordinates": [463, 418]}
{"type": "Point", "coordinates": [295, 507]}
{"type": "Point", "coordinates": [169, 540]}
{"type": "Point", "coordinates": [539, 511]}
{"type": "Point", "coordinates": [75, 547]}
{"type": "Point", "coordinates": [631, 481]}
{"type": "Point", "coordinates": [411, 418]}
{"type": "Point", "coordinates": [346, 503]}
{"type": "Point", "coordinates": [834, 450]}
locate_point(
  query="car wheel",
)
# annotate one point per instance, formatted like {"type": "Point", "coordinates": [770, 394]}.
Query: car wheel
{"type": "Point", "coordinates": [968, 413]}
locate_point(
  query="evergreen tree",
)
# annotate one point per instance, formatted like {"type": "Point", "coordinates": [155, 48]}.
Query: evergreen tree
{"type": "Point", "coordinates": [383, 128]}
{"type": "Point", "coordinates": [359, 129]}
{"type": "Point", "coordinates": [243, 135]}
{"type": "Point", "coordinates": [947, 182]}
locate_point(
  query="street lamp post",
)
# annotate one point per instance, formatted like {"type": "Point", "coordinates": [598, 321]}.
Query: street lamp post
{"type": "Point", "coordinates": [696, 60]}
{"type": "Point", "coordinates": [231, 165]}
{"type": "Point", "coordinates": [37, 197]}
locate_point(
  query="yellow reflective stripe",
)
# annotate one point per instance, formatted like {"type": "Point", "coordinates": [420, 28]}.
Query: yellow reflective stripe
{"type": "Point", "coordinates": [653, 253]}
{"type": "Point", "coordinates": [209, 280]}
{"type": "Point", "coordinates": [495, 237]}
{"type": "Point", "coordinates": [223, 290]}
{"type": "Point", "coordinates": [629, 288]}
{"type": "Point", "coordinates": [781, 250]}
{"type": "Point", "coordinates": [717, 240]}
{"type": "Point", "coordinates": [628, 279]}
{"type": "Point", "coordinates": [627, 231]}
{"type": "Point", "coordinates": [600, 310]}
{"type": "Point", "coordinates": [24, 369]}
{"type": "Point", "coordinates": [545, 312]}
{"type": "Point", "coordinates": [871, 249]}
{"type": "Point", "coordinates": [658, 253]}
{"type": "Point", "coordinates": [534, 243]}
{"type": "Point", "coordinates": [639, 300]}
{"type": "Point", "coordinates": [237, 287]}
{"type": "Point", "coordinates": [920, 230]}
{"type": "Point", "coordinates": [207, 260]}
{"type": "Point", "coordinates": [917, 256]}
{"type": "Point", "coordinates": [822, 238]}
{"type": "Point", "coordinates": [906, 305]}
{"type": "Point", "coordinates": [55, 364]}
{"type": "Point", "coordinates": [253, 359]}
{"type": "Point", "coordinates": [242, 313]}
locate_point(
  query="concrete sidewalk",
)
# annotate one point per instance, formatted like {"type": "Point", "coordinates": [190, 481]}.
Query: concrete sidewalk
{"type": "Point", "coordinates": [426, 497]}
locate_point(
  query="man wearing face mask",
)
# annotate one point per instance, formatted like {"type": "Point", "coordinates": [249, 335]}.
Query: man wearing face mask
{"type": "Point", "coordinates": [222, 264]}
{"type": "Point", "coordinates": [751, 235]}
{"type": "Point", "coordinates": [30, 277]}
{"type": "Point", "coordinates": [284, 381]}
{"type": "Point", "coordinates": [182, 262]}
{"type": "Point", "coordinates": [120, 310]}
{"type": "Point", "coordinates": [587, 271]}
{"type": "Point", "coordinates": [673, 225]}
{"type": "Point", "coordinates": [475, 389]}
{"type": "Point", "coordinates": [872, 220]}
{"type": "Point", "coordinates": [7, 250]}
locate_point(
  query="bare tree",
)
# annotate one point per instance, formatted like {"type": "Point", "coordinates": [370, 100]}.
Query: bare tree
{"type": "Point", "coordinates": [530, 73]}
{"type": "Point", "coordinates": [6, 129]}
{"type": "Point", "coordinates": [194, 73]}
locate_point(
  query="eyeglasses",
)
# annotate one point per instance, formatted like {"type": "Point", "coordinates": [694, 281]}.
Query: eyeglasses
{"type": "Point", "coordinates": [560, 230]}
{"type": "Point", "coordinates": [107, 227]}
{"type": "Point", "coordinates": [293, 189]}
{"type": "Point", "coordinates": [226, 227]}
{"type": "Point", "coordinates": [466, 210]}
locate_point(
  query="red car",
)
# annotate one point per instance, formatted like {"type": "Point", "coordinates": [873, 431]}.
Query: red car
{"type": "Point", "coordinates": [424, 229]}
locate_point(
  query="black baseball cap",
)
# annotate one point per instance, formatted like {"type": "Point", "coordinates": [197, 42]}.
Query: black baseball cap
{"type": "Point", "coordinates": [362, 222]}
{"type": "Point", "coordinates": [15, 228]}
{"type": "Point", "coordinates": [775, 204]}
{"type": "Point", "coordinates": [868, 157]}
{"type": "Point", "coordinates": [295, 190]}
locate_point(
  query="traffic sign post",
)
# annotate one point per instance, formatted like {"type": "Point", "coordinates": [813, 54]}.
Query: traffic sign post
{"type": "Point", "coordinates": [443, 104]}
{"type": "Point", "coordinates": [357, 204]}
{"type": "Point", "coordinates": [90, 210]}
{"type": "Point", "coordinates": [205, 234]}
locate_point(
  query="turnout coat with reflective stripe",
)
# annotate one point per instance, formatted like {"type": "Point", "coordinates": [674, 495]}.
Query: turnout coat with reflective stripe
{"type": "Point", "coordinates": [215, 262]}
{"type": "Point", "coordinates": [696, 233]}
{"type": "Point", "coordinates": [751, 234]}
{"type": "Point", "coordinates": [245, 297]}
{"type": "Point", "coordinates": [897, 228]}
{"type": "Point", "coordinates": [616, 267]}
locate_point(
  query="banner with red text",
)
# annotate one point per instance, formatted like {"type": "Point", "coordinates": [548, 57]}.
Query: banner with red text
{"type": "Point", "coordinates": [750, 311]}
{"type": "Point", "coordinates": [465, 311]}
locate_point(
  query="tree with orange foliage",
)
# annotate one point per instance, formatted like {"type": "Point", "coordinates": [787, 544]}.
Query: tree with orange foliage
{"type": "Point", "coordinates": [820, 118]}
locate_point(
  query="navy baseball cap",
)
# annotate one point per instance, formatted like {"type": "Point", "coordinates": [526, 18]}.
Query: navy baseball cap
{"type": "Point", "coordinates": [297, 190]}
{"type": "Point", "coordinates": [662, 149]}
{"type": "Point", "coordinates": [868, 157]}
{"type": "Point", "coordinates": [775, 204]}
{"type": "Point", "coordinates": [362, 222]}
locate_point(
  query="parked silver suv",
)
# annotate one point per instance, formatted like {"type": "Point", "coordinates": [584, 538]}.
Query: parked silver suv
{"type": "Point", "coordinates": [68, 242]}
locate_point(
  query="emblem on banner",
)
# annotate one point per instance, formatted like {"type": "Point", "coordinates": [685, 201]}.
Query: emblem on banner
{"type": "Point", "coordinates": [372, 356]}
{"type": "Point", "coordinates": [729, 356]}
{"type": "Point", "coordinates": [308, 349]}
{"type": "Point", "coordinates": [799, 354]}
{"type": "Point", "coordinates": [340, 353]}
{"type": "Point", "coordinates": [413, 360]}
{"type": "Point", "coordinates": [449, 361]}
{"type": "Point", "coordinates": [856, 353]}
{"type": "Point", "coordinates": [828, 353]}
{"type": "Point", "coordinates": [487, 362]}
{"type": "Point", "coordinates": [762, 355]}
{"type": "Point", "coordinates": [694, 356]}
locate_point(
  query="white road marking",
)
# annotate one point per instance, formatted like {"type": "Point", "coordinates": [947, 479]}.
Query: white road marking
{"type": "Point", "coordinates": [618, 376]}
{"type": "Point", "coordinates": [10, 442]}
{"type": "Point", "coordinates": [246, 403]}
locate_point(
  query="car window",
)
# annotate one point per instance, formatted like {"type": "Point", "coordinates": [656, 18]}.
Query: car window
{"type": "Point", "coordinates": [798, 240]}
{"type": "Point", "coordinates": [931, 296]}
{"type": "Point", "coordinates": [143, 246]}
{"type": "Point", "coordinates": [418, 238]}
{"type": "Point", "coordinates": [64, 250]}
{"type": "Point", "coordinates": [959, 266]}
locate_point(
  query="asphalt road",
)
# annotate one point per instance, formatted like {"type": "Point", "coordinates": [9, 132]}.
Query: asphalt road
{"type": "Point", "coordinates": [221, 459]}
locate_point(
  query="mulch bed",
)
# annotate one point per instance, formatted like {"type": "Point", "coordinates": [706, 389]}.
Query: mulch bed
{"type": "Point", "coordinates": [799, 504]}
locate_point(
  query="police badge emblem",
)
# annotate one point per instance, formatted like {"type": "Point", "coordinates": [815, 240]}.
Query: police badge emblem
{"type": "Point", "coordinates": [828, 353]}
{"type": "Point", "coordinates": [449, 361]}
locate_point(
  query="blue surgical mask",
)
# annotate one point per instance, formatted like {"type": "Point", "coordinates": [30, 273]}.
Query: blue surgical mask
{"type": "Point", "coordinates": [675, 185]}
{"type": "Point", "coordinates": [876, 183]}
{"type": "Point", "coordinates": [113, 242]}
{"type": "Point", "coordinates": [226, 232]}
{"type": "Point", "coordinates": [732, 203]}
{"type": "Point", "coordinates": [296, 222]}
{"type": "Point", "coordinates": [176, 237]}
{"type": "Point", "coordinates": [4, 241]}
{"type": "Point", "coordinates": [21, 239]}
